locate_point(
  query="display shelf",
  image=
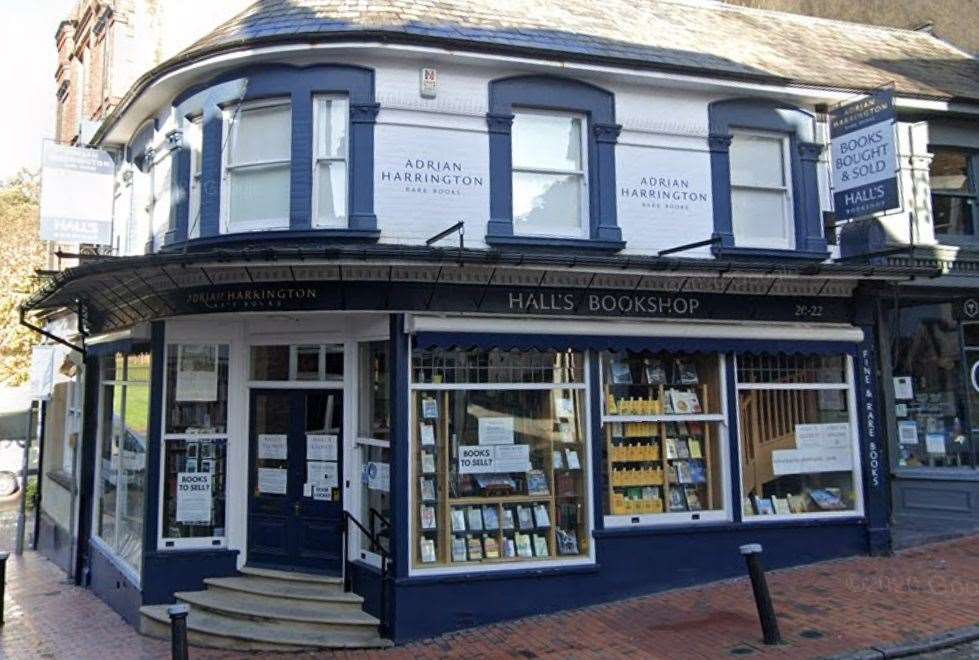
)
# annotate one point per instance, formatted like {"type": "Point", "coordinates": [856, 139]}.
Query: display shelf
{"type": "Point", "coordinates": [700, 417]}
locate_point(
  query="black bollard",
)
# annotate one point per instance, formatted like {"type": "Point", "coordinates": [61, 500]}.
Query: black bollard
{"type": "Point", "coordinates": [3, 580]}
{"type": "Point", "coordinates": [763, 599]}
{"type": "Point", "coordinates": [178, 630]}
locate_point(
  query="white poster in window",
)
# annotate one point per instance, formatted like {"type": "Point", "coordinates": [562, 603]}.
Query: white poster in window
{"type": "Point", "coordinates": [321, 447]}
{"type": "Point", "coordinates": [811, 461]}
{"type": "Point", "coordinates": [496, 430]}
{"type": "Point", "coordinates": [907, 432]}
{"type": "Point", "coordinates": [42, 372]}
{"type": "Point", "coordinates": [273, 446]}
{"type": "Point", "coordinates": [903, 388]}
{"type": "Point", "coordinates": [273, 481]}
{"type": "Point", "coordinates": [197, 372]}
{"type": "Point", "coordinates": [935, 443]}
{"type": "Point", "coordinates": [817, 436]}
{"type": "Point", "coordinates": [378, 476]}
{"type": "Point", "coordinates": [322, 473]}
{"type": "Point", "coordinates": [193, 497]}
{"type": "Point", "coordinates": [483, 459]}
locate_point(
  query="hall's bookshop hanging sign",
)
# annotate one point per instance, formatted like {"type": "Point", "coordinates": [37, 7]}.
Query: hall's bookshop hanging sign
{"type": "Point", "coordinates": [76, 194]}
{"type": "Point", "coordinates": [864, 156]}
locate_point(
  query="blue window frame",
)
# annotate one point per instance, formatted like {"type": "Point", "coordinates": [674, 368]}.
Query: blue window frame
{"type": "Point", "coordinates": [783, 190]}
{"type": "Point", "coordinates": [588, 112]}
{"type": "Point", "coordinates": [300, 87]}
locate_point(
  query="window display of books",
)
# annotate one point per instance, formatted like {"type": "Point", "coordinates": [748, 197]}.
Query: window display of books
{"type": "Point", "coordinates": [659, 463]}
{"type": "Point", "coordinates": [810, 500]}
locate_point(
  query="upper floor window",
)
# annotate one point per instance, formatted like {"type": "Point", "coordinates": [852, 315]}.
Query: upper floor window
{"type": "Point", "coordinates": [193, 137]}
{"type": "Point", "coordinates": [257, 166]}
{"type": "Point", "coordinates": [953, 190]}
{"type": "Point", "coordinates": [550, 191]}
{"type": "Point", "coordinates": [761, 197]}
{"type": "Point", "coordinates": [330, 152]}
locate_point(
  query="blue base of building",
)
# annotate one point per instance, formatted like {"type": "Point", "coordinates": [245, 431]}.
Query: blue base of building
{"type": "Point", "coordinates": [168, 572]}
{"type": "Point", "coordinates": [113, 586]}
{"type": "Point", "coordinates": [631, 562]}
{"type": "Point", "coordinates": [54, 542]}
{"type": "Point", "coordinates": [365, 580]}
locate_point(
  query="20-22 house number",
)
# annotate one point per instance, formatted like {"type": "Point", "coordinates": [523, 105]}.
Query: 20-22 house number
{"type": "Point", "coordinates": [809, 311]}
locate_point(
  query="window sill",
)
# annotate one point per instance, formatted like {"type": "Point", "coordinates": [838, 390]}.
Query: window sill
{"type": "Point", "coordinates": [713, 527]}
{"type": "Point", "coordinates": [769, 253]}
{"type": "Point", "coordinates": [924, 473]}
{"type": "Point", "coordinates": [61, 478]}
{"type": "Point", "coordinates": [278, 235]}
{"type": "Point", "coordinates": [555, 242]}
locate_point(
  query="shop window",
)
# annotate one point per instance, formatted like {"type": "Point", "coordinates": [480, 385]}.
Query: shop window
{"type": "Point", "coordinates": [764, 170]}
{"type": "Point", "coordinates": [330, 118]}
{"type": "Point", "coordinates": [73, 422]}
{"type": "Point", "coordinates": [194, 136]}
{"type": "Point", "coordinates": [552, 163]}
{"type": "Point", "coordinates": [761, 197]}
{"type": "Point", "coordinates": [195, 442]}
{"type": "Point", "coordinates": [930, 385]}
{"type": "Point", "coordinates": [374, 445]}
{"type": "Point", "coordinates": [665, 447]}
{"type": "Point", "coordinates": [798, 432]}
{"type": "Point", "coordinates": [121, 470]}
{"type": "Point", "coordinates": [550, 191]}
{"type": "Point", "coordinates": [257, 165]}
{"type": "Point", "coordinates": [953, 191]}
{"type": "Point", "coordinates": [500, 458]}
{"type": "Point", "coordinates": [313, 362]}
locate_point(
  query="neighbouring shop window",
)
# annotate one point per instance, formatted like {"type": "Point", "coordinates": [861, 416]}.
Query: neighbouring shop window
{"type": "Point", "coordinates": [374, 442]}
{"type": "Point", "coordinates": [798, 435]}
{"type": "Point", "coordinates": [257, 167]}
{"type": "Point", "coordinates": [195, 443]}
{"type": "Point", "coordinates": [930, 384]}
{"type": "Point", "coordinates": [953, 191]}
{"type": "Point", "coordinates": [549, 174]}
{"type": "Point", "coordinates": [330, 151]}
{"type": "Point", "coordinates": [663, 427]}
{"type": "Point", "coordinates": [500, 457]}
{"type": "Point", "coordinates": [316, 362]}
{"type": "Point", "coordinates": [73, 422]}
{"type": "Point", "coordinates": [123, 438]}
{"type": "Point", "coordinates": [761, 194]}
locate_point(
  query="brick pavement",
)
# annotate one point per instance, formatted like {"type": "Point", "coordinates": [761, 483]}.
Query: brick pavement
{"type": "Point", "coordinates": [823, 609]}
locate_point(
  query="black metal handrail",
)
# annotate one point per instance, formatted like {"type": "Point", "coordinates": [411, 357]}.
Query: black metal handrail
{"type": "Point", "coordinates": [375, 515]}
{"type": "Point", "coordinates": [375, 546]}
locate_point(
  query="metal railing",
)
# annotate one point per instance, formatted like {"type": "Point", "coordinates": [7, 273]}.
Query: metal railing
{"type": "Point", "coordinates": [375, 547]}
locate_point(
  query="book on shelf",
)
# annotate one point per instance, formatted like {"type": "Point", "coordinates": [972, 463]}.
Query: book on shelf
{"type": "Point", "coordinates": [475, 548]}
{"type": "Point", "coordinates": [523, 545]}
{"type": "Point", "coordinates": [427, 547]}
{"type": "Point", "coordinates": [695, 429]}
{"type": "Point", "coordinates": [566, 432]}
{"type": "Point", "coordinates": [536, 483]}
{"type": "Point", "coordinates": [491, 548]}
{"type": "Point", "coordinates": [428, 517]}
{"type": "Point", "coordinates": [683, 402]}
{"type": "Point", "coordinates": [428, 434]}
{"type": "Point", "coordinates": [491, 519]}
{"type": "Point", "coordinates": [541, 519]}
{"type": "Point", "coordinates": [525, 517]}
{"type": "Point", "coordinates": [540, 545]}
{"type": "Point", "coordinates": [475, 517]}
{"type": "Point", "coordinates": [698, 472]}
{"type": "Point", "coordinates": [574, 463]}
{"type": "Point", "coordinates": [430, 408]}
{"type": "Point", "coordinates": [428, 462]}
{"type": "Point", "coordinates": [557, 460]}
{"type": "Point", "coordinates": [781, 505]}
{"type": "Point", "coordinates": [655, 372]}
{"type": "Point", "coordinates": [678, 500]}
{"type": "Point", "coordinates": [458, 548]}
{"type": "Point", "coordinates": [621, 373]}
{"type": "Point", "coordinates": [671, 449]}
{"type": "Point", "coordinates": [797, 503]}
{"type": "Point", "coordinates": [610, 406]}
{"type": "Point", "coordinates": [694, 445]}
{"type": "Point", "coordinates": [509, 548]}
{"type": "Point", "coordinates": [508, 520]}
{"type": "Point", "coordinates": [763, 506]}
{"type": "Point", "coordinates": [617, 429]}
{"type": "Point", "coordinates": [693, 498]}
{"type": "Point", "coordinates": [685, 372]}
{"type": "Point", "coordinates": [567, 543]}
{"type": "Point", "coordinates": [458, 520]}
{"type": "Point", "coordinates": [746, 507]}
{"type": "Point", "coordinates": [684, 473]}
{"type": "Point", "coordinates": [427, 488]}
{"type": "Point", "coordinates": [827, 499]}
{"type": "Point", "coordinates": [682, 449]}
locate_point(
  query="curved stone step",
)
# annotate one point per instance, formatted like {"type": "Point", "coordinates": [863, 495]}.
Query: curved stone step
{"type": "Point", "coordinates": [327, 593]}
{"type": "Point", "coordinates": [299, 614]}
{"type": "Point", "coordinates": [208, 629]}
{"type": "Point", "coordinates": [291, 576]}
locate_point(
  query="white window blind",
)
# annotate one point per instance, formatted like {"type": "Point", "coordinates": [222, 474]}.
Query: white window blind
{"type": "Point", "coordinates": [330, 149]}
{"type": "Point", "coordinates": [761, 192]}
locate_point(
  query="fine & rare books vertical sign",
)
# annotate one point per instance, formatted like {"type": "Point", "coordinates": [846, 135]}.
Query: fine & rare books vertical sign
{"type": "Point", "coordinates": [864, 156]}
{"type": "Point", "coordinates": [76, 195]}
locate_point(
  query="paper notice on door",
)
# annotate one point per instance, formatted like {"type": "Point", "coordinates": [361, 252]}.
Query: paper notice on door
{"type": "Point", "coordinates": [193, 498]}
{"type": "Point", "coordinates": [322, 473]}
{"type": "Point", "coordinates": [321, 447]}
{"type": "Point", "coordinates": [272, 481]}
{"type": "Point", "coordinates": [322, 493]}
{"type": "Point", "coordinates": [496, 430]}
{"type": "Point", "coordinates": [822, 436]}
{"type": "Point", "coordinates": [273, 446]}
{"type": "Point", "coordinates": [378, 476]}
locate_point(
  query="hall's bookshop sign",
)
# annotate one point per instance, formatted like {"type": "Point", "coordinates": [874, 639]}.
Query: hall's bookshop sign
{"type": "Point", "coordinates": [76, 195]}
{"type": "Point", "coordinates": [864, 156]}
{"type": "Point", "coordinates": [530, 301]}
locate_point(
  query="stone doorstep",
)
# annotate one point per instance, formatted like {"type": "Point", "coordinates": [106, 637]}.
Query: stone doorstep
{"type": "Point", "coordinates": [290, 576]}
{"type": "Point", "coordinates": [327, 593]}
{"type": "Point", "coordinates": [274, 609]}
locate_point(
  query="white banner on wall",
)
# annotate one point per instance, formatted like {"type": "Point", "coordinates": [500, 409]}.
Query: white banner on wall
{"type": "Point", "coordinates": [76, 194]}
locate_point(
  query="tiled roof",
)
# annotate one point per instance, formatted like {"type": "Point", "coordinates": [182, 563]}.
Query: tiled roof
{"type": "Point", "coordinates": [693, 35]}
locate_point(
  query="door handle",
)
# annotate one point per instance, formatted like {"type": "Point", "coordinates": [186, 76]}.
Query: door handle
{"type": "Point", "coordinates": [295, 508]}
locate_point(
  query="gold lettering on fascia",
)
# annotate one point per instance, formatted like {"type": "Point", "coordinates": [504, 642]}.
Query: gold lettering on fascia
{"type": "Point", "coordinates": [649, 304]}
{"type": "Point", "coordinates": [261, 298]}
